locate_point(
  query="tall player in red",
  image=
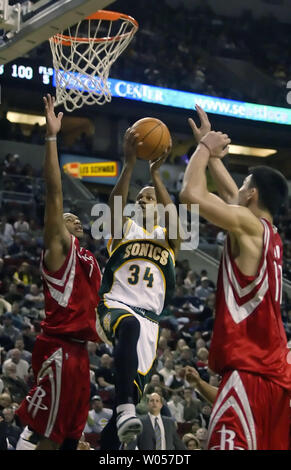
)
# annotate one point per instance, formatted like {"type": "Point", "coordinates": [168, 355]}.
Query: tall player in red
{"type": "Point", "coordinates": [249, 345]}
{"type": "Point", "coordinates": [56, 408]}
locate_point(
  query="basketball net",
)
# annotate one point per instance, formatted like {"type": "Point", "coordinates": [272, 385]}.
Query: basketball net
{"type": "Point", "coordinates": [83, 56]}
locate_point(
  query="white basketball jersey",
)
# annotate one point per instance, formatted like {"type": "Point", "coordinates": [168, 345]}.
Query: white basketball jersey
{"type": "Point", "coordinates": [140, 272]}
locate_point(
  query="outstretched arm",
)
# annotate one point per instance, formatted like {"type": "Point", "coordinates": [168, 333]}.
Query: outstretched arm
{"type": "Point", "coordinates": [163, 198]}
{"type": "Point", "coordinates": [122, 186]}
{"type": "Point", "coordinates": [226, 186]}
{"type": "Point", "coordinates": [57, 239]}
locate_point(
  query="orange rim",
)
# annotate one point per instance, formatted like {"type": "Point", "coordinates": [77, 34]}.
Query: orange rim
{"type": "Point", "coordinates": [99, 15]}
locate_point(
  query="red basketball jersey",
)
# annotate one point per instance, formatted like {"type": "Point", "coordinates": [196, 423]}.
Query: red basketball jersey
{"type": "Point", "coordinates": [71, 295]}
{"type": "Point", "coordinates": [248, 331]}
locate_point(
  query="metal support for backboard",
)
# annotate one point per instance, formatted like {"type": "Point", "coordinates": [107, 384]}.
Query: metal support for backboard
{"type": "Point", "coordinates": [43, 25]}
{"type": "Point", "coordinates": [10, 16]}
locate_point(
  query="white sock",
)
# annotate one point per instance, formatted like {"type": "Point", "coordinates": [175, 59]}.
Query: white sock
{"type": "Point", "coordinates": [127, 408]}
{"type": "Point", "coordinates": [23, 442]}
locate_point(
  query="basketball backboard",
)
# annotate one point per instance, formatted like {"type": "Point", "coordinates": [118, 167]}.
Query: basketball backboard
{"type": "Point", "coordinates": [28, 24]}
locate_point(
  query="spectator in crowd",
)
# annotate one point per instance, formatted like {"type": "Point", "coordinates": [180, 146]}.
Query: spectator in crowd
{"type": "Point", "coordinates": [17, 249]}
{"type": "Point", "coordinates": [19, 344]}
{"type": "Point", "coordinates": [98, 416]}
{"type": "Point", "coordinates": [204, 290]}
{"type": "Point", "coordinates": [29, 337]}
{"type": "Point", "coordinates": [204, 416]}
{"type": "Point", "coordinates": [176, 382]}
{"type": "Point", "coordinates": [21, 364]}
{"type": "Point", "coordinates": [104, 374]}
{"type": "Point", "coordinates": [196, 424]}
{"type": "Point", "coordinates": [21, 226]}
{"type": "Point", "coordinates": [191, 442]}
{"type": "Point", "coordinates": [15, 293]}
{"type": "Point", "coordinates": [5, 400]}
{"type": "Point", "coordinates": [159, 432]}
{"type": "Point", "coordinates": [176, 408]}
{"type": "Point", "coordinates": [201, 435]}
{"type": "Point", "coordinates": [186, 357]}
{"type": "Point", "coordinates": [17, 319]}
{"type": "Point", "coordinates": [12, 429]}
{"type": "Point", "coordinates": [8, 328]}
{"type": "Point", "coordinates": [192, 406]}
{"type": "Point", "coordinates": [202, 363]}
{"type": "Point", "coordinates": [34, 302]}
{"type": "Point", "coordinates": [167, 370]}
{"type": "Point", "coordinates": [23, 275]}
{"type": "Point", "coordinates": [162, 346]}
{"type": "Point", "coordinates": [178, 351]}
{"type": "Point", "coordinates": [6, 342]}
{"type": "Point", "coordinates": [190, 281]}
{"type": "Point", "coordinates": [6, 231]}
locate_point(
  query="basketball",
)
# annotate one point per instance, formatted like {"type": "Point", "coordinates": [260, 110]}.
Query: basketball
{"type": "Point", "coordinates": [155, 138]}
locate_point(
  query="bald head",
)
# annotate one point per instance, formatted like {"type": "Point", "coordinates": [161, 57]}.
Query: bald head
{"type": "Point", "coordinates": [155, 404]}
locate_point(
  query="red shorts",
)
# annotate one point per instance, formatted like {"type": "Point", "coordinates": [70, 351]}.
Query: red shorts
{"type": "Point", "coordinates": [57, 406]}
{"type": "Point", "coordinates": [249, 413]}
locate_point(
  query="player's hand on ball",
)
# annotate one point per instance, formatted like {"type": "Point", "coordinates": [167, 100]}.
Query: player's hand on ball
{"type": "Point", "coordinates": [130, 144]}
{"type": "Point", "coordinates": [53, 122]}
{"type": "Point", "coordinates": [217, 143]}
{"type": "Point", "coordinates": [205, 125]}
{"type": "Point", "coordinates": [156, 164]}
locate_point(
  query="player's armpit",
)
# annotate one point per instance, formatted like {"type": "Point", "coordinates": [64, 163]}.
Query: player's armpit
{"type": "Point", "coordinates": [233, 218]}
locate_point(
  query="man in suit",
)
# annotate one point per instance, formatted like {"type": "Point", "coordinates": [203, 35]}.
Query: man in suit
{"type": "Point", "coordinates": [159, 432]}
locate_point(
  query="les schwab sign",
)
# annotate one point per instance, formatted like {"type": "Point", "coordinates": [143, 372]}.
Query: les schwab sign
{"type": "Point", "coordinates": [91, 170]}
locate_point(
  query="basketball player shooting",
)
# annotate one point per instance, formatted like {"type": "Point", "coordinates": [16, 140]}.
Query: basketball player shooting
{"type": "Point", "coordinates": [137, 282]}
{"type": "Point", "coordinates": [249, 345]}
{"type": "Point", "coordinates": [56, 408]}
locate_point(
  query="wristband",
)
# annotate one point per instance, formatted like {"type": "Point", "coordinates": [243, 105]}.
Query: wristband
{"type": "Point", "coordinates": [50, 139]}
{"type": "Point", "coordinates": [205, 145]}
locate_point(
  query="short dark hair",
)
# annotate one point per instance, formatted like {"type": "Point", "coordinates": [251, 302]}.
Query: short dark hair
{"type": "Point", "coordinates": [272, 188]}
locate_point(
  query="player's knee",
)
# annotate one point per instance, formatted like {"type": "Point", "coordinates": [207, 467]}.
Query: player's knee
{"type": "Point", "coordinates": [128, 327]}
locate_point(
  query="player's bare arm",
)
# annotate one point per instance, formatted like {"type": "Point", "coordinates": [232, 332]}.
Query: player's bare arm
{"type": "Point", "coordinates": [57, 239]}
{"type": "Point", "coordinates": [209, 392]}
{"type": "Point", "coordinates": [245, 229]}
{"type": "Point", "coordinates": [122, 186]}
{"type": "Point", "coordinates": [163, 197]}
{"type": "Point", "coordinates": [226, 186]}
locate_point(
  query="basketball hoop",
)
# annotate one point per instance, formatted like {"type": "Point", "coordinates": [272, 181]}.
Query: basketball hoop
{"type": "Point", "coordinates": [83, 56]}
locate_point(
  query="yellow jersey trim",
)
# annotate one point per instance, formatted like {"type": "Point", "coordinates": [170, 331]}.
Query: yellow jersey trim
{"type": "Point", "coordinates": [119, 320]}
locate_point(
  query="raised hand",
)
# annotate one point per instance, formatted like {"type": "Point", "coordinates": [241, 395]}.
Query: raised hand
{"type": "Point", "coordinates": [217, 143]}
{"type": "Point", "coordinates": [205, 125]}
{"type": "Point", "coordinates": [130, 145]}
{"type": "Point", "coordinates": [156, 164]}
{"type": "Point", "coordinates": [53, 122]}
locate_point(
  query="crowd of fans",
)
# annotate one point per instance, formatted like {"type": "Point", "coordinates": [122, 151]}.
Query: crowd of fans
{"type": "Point", "coordinates": [190, 39]}
{"type": "Point", "coordinates": [186, 329]}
